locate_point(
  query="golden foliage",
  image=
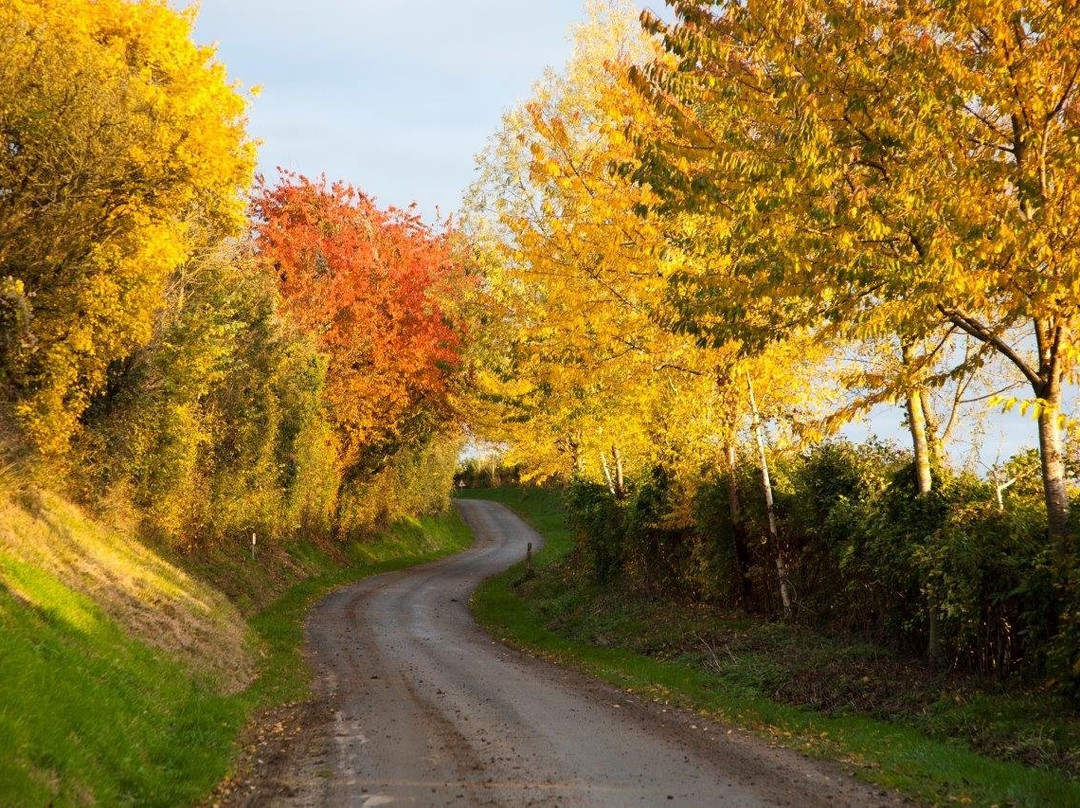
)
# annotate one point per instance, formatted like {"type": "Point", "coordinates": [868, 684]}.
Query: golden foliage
{"type": "Point", "coordinates": [118, 132]}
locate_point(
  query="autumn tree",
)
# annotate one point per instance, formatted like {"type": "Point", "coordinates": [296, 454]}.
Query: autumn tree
{"type": "Point", "coordinates": [381, 291]}
{"type": "Point", "coordinates": [576, 280]}
{"type": "Point", "coordinates": [888, 169]}
{"type": "Point", "coordinates": [595, 377]}
{"type": "Point", "coordinates": [217, 425]}
{"type": "Point", "coordinates": [116, 132]}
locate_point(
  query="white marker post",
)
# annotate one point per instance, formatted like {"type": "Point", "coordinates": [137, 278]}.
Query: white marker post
{"type": "Point", "coordinates": [252, 546]}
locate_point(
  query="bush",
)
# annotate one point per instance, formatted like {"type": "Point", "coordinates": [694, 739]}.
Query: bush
{"type": "Point", "coordinates": [866, 555]}
{"type": "Point", "coordinates": [834, 527]}
{"type": "Point", "coordinates": [660, 557]}
{"type": "Point", "coordinates": [600, 522]}
{"type": "Point", "coordinates": [485, 473]}
{"type": "Point", "coordinates": [415, 479]}
{"type": "Point", "coordinates": [987, 573]}
{"type": "Point", "coordinates": [217, 425]}
{"type": "Point", "coordinates": [717, 572]}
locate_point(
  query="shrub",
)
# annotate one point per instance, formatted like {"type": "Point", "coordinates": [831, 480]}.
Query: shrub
{"type": "Point", "coordinates": [866, 554]}
{"type": "Point", "coordinates": [600, 522]}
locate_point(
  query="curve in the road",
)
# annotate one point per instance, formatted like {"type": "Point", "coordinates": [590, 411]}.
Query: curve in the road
{"type": "Point", "coordinates": [418, 705]}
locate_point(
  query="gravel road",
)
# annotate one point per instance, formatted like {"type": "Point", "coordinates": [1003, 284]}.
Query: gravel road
{"type": "Point", "coordinates": [418, 705]}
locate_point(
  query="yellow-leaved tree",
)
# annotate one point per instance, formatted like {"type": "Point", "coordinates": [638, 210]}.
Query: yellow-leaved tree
{"type": "Point", "coordinates": [577, 353]}
{"type": "Point", "coordinates": [117, 132]}
{"type": "Point", "coordinates": [886, 171]}
{"type": "Point", "coordinates": [587, 356]}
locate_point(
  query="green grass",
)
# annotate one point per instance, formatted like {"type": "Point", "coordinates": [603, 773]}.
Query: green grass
{"type": "Point", "coordinates": [88, 714]}
{"type": "Point", "coordinates": [542, 507]}
{"type": "Point", "coordinates": [560, 616]}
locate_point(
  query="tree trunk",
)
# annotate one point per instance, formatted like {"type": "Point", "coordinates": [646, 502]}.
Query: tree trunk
{"type": "Point", "coordinates": [1052, 453]}
{"type": "Point", "coordinates": [924, 479]}
{"type": "Point", "coordinates": [1051, 335]}
{"type": "Point", "coordinates": [607, 475]}
{"type": "Point", "coordinates": [766, 484]}
{"type": "Point", "coordinates": [738, 531]}
{"type": "Point", "coordinates": [933, 432]}
{"type": "Point", "coordinates": [620, 485]}
{"type": "Point", "coordinates": [924, 482]}
{"type": "Point", "coordinates": [576, 457]}
{"type": "Point", "coordinates": [917, 425]}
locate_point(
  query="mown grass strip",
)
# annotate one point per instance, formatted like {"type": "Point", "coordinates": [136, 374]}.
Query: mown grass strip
{"type": "Point", "coordinates": [891, 755]}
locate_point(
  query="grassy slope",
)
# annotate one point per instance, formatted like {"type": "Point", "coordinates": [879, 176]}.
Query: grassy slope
{"type": "Point", "coordinates": [933, 770]}
{"type": "Point", "coordinates": [97, 708]}
{"type": "Point", "coordinates": [90, 715]}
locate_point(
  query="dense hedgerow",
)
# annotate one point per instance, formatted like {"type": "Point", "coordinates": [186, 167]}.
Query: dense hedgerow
{"type": "Point", "coordinates": [866, 556]}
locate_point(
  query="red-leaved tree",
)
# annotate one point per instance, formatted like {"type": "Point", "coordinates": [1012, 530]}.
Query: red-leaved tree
{"type": "Point", "coordinates": [381, 289]}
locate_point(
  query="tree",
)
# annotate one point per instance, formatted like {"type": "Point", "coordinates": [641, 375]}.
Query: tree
{"type": "Point", "coordinates": [116, 132]}
{"type": "Point", "coordinates": [217, 425]}
{"type": "Point", "coordinates": [596, 377]}
{"type": "Point", "coordinates": [382, 291]}
{"type": "Point", "coordinates": [886, 170]}
{"type": "Point", "coordinates": [575, 279]}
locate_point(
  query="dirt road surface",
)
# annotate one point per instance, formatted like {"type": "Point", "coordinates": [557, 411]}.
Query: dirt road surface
{"type": "Point", "coordinates": [416, 705]}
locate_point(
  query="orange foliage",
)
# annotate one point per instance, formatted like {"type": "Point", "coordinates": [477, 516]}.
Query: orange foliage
{"type": "Point", "coordinates": [381, 289]}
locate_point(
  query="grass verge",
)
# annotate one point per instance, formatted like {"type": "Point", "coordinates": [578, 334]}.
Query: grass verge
{"type": "Point", "coordinates": [92, 713]}
{"type": "Point", "coordinates": [561, 617]}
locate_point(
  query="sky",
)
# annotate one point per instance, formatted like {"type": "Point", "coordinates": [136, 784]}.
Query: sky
{"type": "Point", "coordinates": [398, 96]}
{"type": "Point", "coordinates": [395, 96]}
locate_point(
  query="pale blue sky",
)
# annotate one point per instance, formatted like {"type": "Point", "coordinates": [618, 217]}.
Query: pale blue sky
{"type": "Point", "coordinates": [396, 96]}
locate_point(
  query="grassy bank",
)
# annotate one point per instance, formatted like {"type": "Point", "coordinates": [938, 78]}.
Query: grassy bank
{"type": "Point", "coordinates": [737, 670]}
{"type": "Point", "coordinates": [126, 680]}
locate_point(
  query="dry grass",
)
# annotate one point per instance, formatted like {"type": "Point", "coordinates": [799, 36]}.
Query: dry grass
{"type": "Point", "coordinates": [153, 600]}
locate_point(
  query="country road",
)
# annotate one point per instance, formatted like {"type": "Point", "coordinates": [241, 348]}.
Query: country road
{"type": "Point", "coordinates": [418, 705]}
